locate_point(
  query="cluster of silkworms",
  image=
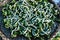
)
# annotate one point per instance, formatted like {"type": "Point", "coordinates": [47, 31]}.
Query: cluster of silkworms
{"type": "Point", "coordinates": [29, 17]}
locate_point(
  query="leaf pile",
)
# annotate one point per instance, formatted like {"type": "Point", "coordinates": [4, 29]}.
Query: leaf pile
{"type": "Point", "coordinates": [30, 18]}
